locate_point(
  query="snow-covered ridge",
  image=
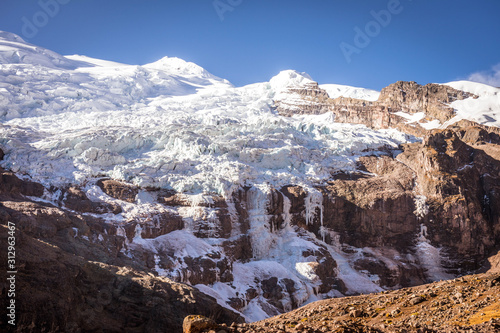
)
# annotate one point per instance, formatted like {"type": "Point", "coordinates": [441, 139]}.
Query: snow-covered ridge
{"type": "Point", "coordinates": [177, 66]}
{"type": "Point", "coordinates": [294, 79]}
{"type": "Point", "coordinates": [338, 90]}
{"type": "Point", "coordinates": [484, 110]}
{"type": "Point", "coordinates": [14, 50]}
{"type": "Point", "coordinates": [91, 62]}
{"type": "Point", "coordinates": [289, 79]}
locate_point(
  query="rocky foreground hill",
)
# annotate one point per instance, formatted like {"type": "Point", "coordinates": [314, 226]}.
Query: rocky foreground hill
{"type": "Point", "coordinates": [467, 304]}
{"type": "Point", "coordinates": [144, 194]}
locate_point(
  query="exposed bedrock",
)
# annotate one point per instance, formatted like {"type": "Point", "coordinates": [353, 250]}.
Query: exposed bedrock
{"type": "Point", "coordinates": [461, 182]}
{"type": "Point", "coordinates": [432, 100]}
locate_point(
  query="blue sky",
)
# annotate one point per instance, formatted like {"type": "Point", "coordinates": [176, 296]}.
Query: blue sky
{"type": "Point", "coordinates": [247, 41]}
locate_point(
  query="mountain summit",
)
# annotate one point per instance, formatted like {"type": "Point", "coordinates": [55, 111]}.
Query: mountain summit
{"type": "Point", "coordinates": [177, 66]}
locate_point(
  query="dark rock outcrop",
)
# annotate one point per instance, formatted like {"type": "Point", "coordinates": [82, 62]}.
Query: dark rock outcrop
{"type": "Point", "coordinates": [118, 190]}
{"type": "Point", "coordinates": [75, 199]}
{"type": "Point", "coordinates": [73, 277]}
{"type": "Point", "coordinates": [462, 184]}
{"type": "Point", "coordinates": [10, 184]}
{"type": "Point", "coordinates": [197, 324]}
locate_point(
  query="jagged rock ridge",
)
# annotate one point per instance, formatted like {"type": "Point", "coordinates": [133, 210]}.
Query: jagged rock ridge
{"type": "Point", "coordinates": [394, 107]}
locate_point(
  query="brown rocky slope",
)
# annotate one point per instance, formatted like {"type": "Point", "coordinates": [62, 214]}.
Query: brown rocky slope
{"type": "Point", "coordinates": [67, 284]}
{"type": "Point", "coordinates": [467, 304]}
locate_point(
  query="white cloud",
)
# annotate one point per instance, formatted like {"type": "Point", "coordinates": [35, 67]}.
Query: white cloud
{"type": "Point", "coordinates": [491, 77]}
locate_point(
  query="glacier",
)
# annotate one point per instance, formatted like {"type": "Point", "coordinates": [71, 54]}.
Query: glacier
{"type": "Point", "coordinates": [168, 124]}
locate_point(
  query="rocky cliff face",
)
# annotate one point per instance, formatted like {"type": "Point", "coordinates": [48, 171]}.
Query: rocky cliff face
{"type": "Point", "coordinates": [440, 196]}
{"type": "Point", "coordinates": [432, 99]}
{"type": "Point", "coordinates": [408, 106]}
{"type": "Point", "coordinates": [460, 182]}
{"type": "Point", "coordinates": [72, 276]}
{"type": "Point", "coordinates": [306, 99]}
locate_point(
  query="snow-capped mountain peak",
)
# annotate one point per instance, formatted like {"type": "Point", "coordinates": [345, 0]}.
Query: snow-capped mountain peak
{"type": "Point", "coordinates": [86, 61]}
{"type": "Point", "coordinates": [178, 66]}
{"type": "Point", "coordinates": [288, 79]}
